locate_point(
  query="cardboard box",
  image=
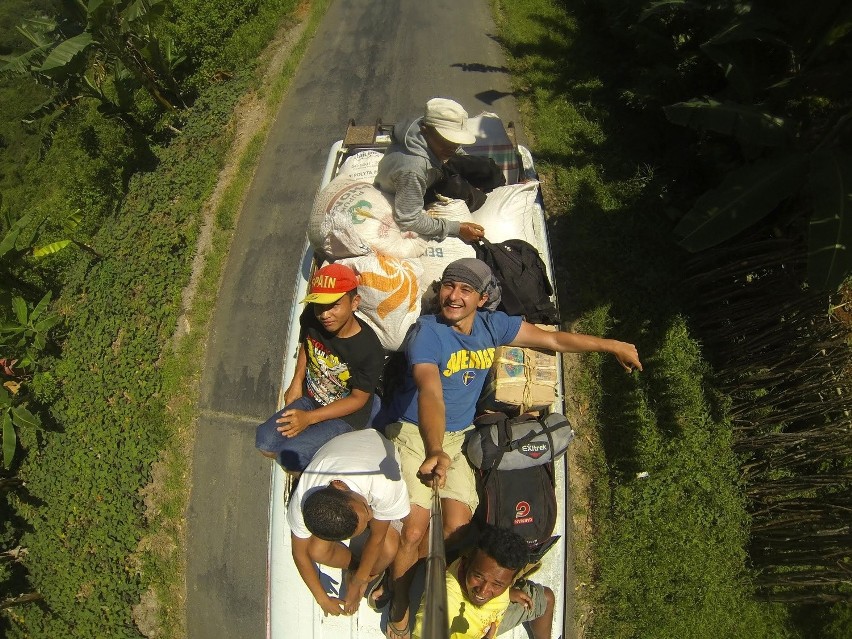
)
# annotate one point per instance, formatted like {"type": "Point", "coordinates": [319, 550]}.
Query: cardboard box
{"type": "Point", "coordinates": [521, 379]}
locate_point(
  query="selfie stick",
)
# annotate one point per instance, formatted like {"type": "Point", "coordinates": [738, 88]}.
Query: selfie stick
{"type": "Point", "coordinates": [436, 624]}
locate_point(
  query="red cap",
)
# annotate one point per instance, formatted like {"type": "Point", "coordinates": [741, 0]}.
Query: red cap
{"type": "Point", "coordinates": [330, 283]}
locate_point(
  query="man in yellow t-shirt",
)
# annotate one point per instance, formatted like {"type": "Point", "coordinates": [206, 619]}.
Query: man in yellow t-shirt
{"type": "Point", "coordinates": [483, 599]}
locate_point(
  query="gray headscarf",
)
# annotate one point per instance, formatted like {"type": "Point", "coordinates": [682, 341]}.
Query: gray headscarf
{"type": "Point", "coordinates": [477, 274]}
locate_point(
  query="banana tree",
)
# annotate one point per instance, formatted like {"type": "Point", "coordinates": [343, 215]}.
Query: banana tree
{"type": "Point", "coordinates": [24, 235]}
{"type": "Point", "coordinates": [17, 240]}
{"type": "Point", "coordinates": [23, 336]}
{"type": "Point", "coordinates": [13, 414]}
{"type": "Point", "coordinates": [107, 50]}
{"type": "Point", "coordinates": [69, 222]}
{"type": "Point", "coordinates": [25, 333]}
{"type": "Point", "coordinates": [785, 159]}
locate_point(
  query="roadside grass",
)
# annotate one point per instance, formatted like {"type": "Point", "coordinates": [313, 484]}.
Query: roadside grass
{"type": "Point", "coordinates": [181, 377]}
{"type": "Point", "coordinates": [663, 554]}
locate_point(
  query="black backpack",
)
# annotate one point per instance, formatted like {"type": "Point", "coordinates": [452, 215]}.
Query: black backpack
{"type": "Point", "coordinates": [480, 172]}
{"type": "Point", "coordinates": [468, 178]}
{"type": "Point", "coordinates": [522, 500]}
{"type": "Point", "coordinates": [525, 288]}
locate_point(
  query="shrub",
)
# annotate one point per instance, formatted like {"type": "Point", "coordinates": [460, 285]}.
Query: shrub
{"type": "Point", "coordinates": [120, 313]}
{"type": "Point", "coordinates": [224, 36]}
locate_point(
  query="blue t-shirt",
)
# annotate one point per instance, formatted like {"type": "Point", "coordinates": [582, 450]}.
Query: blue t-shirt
{"type": "Point", "coordinates": [463, 362]}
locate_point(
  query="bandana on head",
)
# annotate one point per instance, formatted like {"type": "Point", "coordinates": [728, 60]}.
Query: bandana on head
{"type": "Point", "coordinates": [477, 274]}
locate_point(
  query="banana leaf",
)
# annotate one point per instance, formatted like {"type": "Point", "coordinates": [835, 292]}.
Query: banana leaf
{"type": "Point", "coordinates": [749, 125]}
{"type": "Point", "coordinates": [19, 306]}
{"type": "Point", "coordinates": [734, 66]}
{"type": "Point", "coordinates": [21, 64]}
{"type": "Point", "coordinates": [50, 249]}
{"type": "Point", "coordinates": [745, 196]}
{"type": "Point", "coordinates": [830, 230]}
{"type": "Point", "coordinates": [22, 417]}
{"type": "Point", "coordinates": [756, 25]}
{"type": "Point", "coordinates": [667, 6]}
{"type": "Point", "coordinates": [145, 10]}
{"type": "Point", "coordinates": [65, 52]}
{"type": "Point", "coordinates": [41, 306]}
{"type": "Point", "coordinates": [8, 241]}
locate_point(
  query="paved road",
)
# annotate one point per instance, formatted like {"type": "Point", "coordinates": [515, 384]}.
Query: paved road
{"type": "Point", "coordinates": [370, 59]}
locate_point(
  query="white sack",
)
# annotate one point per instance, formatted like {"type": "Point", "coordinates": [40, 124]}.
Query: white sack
{"type": "Point", "coordinates": [509, 213]}
{"type": "Point", "coordinates": [361, 167]}
{"type": "Point", "coordinates": [390, 295]}
{"type": "Point", "coordinates": [352, 218]}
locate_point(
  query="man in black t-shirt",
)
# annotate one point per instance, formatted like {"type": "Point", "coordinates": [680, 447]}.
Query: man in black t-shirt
{"type": "Point", "coordinates": [339, 364]}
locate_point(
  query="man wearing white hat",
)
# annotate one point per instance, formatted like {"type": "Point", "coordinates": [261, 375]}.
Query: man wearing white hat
{"type": "Point", "coordinates": [413, 163]}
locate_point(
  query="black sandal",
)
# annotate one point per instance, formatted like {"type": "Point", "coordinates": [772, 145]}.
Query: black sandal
{"type": "Point", "coordinates": [382, 580]}
{"type": "Point", "coordinates": [395, 633]}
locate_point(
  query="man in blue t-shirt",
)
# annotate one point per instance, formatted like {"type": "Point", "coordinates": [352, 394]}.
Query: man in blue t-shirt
{"type": "Point", "coordinates": [450, 355]}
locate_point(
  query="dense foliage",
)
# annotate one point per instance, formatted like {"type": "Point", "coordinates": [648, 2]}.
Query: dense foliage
{"type": "Point", "coordinates": [773, 149]}
{"type": "Point", "coordinates": [110, 142]}
{"type": "Point", "coordinates": [761, 83]}
{"type": "Point", "coordinates": [121, 311]}
{"type": "Point", "coordinates": [741, 418]}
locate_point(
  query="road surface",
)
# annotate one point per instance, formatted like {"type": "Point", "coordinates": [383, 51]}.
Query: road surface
{"type": "Point", "coordinates": [369, 59]}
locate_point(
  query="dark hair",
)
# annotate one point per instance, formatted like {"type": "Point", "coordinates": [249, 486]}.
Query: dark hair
{"type": "Point", "coordinates": [508, 549]}
{"type": "Point", "coordinates": [329, 514]}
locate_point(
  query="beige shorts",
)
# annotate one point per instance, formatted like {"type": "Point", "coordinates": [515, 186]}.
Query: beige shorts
{"type": "Point", "coordinates": [460, 484]}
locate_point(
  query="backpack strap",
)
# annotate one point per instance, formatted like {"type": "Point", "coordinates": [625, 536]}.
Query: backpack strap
{"type": "Point", "coordinates": [504, 442]}
{"type": "Point", "coordinates": [501, 420]}
{"type": "Point", "coordinates": [547, 430]}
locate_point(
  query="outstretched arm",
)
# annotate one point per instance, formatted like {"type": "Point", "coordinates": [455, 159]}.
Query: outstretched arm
{"type": "Point", "coordinates": [530, 336]}
{"type": "Point", "coordinates": [432, 417]}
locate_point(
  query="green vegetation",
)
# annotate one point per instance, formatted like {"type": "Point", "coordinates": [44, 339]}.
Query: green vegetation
{"type": "Point", "coordinates": [83, 550]}
{"type": "Point", "coordinates": [92, 525]}
{"type": "Point", "coordinates": [674, 552]}
{"type": "Point", "coordinates": [105, 165]}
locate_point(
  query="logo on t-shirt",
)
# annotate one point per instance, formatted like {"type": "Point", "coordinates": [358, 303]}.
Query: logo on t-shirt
{"type": "Point", "coordinates": [327, 378]}
{"type": "Point", "coordinates": [460, 360]}
{"type": "Point", "coordinates": [468, 377]}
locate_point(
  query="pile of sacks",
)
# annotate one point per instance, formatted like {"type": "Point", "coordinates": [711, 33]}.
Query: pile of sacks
{"type": "Point", "coordinates": [352, 223]}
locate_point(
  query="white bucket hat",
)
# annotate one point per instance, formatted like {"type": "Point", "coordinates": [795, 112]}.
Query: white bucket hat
{"type": "Point", "coordinates": [449, 119]}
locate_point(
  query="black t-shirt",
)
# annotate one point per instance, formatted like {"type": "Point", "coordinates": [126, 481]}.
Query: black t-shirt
{"type": "Point", "coordinates": [336, 365]}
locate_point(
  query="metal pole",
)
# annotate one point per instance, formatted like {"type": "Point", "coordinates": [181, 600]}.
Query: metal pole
{"type": "Point", "coordinates": [436, 622]}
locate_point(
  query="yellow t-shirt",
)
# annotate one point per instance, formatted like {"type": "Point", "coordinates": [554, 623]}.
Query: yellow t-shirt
{"type": "Point", "coordinates": [466, 620]}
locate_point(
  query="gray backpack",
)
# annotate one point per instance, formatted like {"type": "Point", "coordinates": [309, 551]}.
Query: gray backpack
{"type": "Point", "coordinates": [502, 443]}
